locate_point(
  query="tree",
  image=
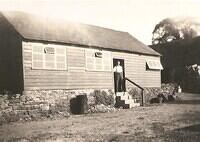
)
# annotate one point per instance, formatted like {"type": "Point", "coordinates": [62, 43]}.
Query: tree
{"type": "Point", "coordinates": [170, 29]}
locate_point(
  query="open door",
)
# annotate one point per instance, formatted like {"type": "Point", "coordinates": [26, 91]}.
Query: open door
{"type": "Point", "coordinates": [119, 81]}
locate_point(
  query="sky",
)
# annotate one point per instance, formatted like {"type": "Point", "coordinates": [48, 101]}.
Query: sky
{"type": "Point", "coordinates": [138, 17]}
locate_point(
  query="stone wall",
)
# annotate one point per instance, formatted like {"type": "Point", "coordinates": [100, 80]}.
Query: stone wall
{"type": "Point", "coordinates": [40, 104]}
{"type": "Point", "coordinates": [33, 105]}
{"type": "Point", "coordinates": [153, 92]}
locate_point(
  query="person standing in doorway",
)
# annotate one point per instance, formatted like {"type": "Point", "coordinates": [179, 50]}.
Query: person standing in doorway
{"type": "Point", "coordinates": [118, 70]}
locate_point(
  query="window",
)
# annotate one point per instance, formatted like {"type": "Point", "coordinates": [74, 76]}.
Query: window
{"type": "Point", "coordinates": [48, 57]}
{"type": "Point", "coordinates": [98, 60]}
{"type": "Point", "coordinates": [153, 65]}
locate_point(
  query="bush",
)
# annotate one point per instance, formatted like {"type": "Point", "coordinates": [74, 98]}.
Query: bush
{"type": "Point", "coordinates": [135, 93]}
{"type": "Point", "coordinates": [150, 93]}
{"type": "Point", "coordinates": [103, 97]}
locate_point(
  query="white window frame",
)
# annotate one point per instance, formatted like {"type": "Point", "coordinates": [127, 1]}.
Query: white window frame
{"type": "Point", "coordinates": [94, 60]}
{"type": "Point", "coordinates": [56, 47]}
{"type": "Point", "coordinates": [153, 64]}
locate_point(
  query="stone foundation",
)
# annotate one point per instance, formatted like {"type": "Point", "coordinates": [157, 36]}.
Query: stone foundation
{"type": "Point", "coordinates": [153, 92]}
{"type": "Point", "coordinates": [39, 104]}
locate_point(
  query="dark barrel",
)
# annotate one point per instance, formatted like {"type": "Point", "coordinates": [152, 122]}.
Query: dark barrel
{"type": "Point", "coordinates": [79, 105]}
{"type": "Point", "coordinates": [82, 103]}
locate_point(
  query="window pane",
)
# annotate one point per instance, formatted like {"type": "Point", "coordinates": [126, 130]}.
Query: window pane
{"type": "Point", "coordinates": [60, 58]}
{"type": "Point", "coordinates": [61, 66]}
{"type": "Point", "coordinates": [38, 49]}
{"type": "Point", "coordinates": [107, 67]}
{"type": "Point", "coordinates": [49, 58]}
{"type": "Point", "coordinates": [99, 64]}
{"type": "Point", "coordinates": [38, 57]}
{"type": "Point", "coordinates": [61, 50]}
{"type": "Point", "coordinates": [90, 63]}
{"type": "Point", "coordinates": [49, 65]}
{"type": "Point", "coordinates": [107, 61]}
{"type": "Point", "coordinates": [37, 65]}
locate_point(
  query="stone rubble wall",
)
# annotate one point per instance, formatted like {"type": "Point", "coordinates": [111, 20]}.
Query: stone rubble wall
{"type": "Point", "coordinates": [33, 105]}
{"type": "Point", "coordinates": [41, 104]}
{"type": "Point", "coordinates": [150, 93]}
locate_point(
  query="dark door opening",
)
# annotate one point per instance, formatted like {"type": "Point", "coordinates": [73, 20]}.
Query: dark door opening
{"type": "Point", "coordinates": [119, 81]}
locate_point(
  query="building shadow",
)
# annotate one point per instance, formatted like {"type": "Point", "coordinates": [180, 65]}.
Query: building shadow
{"type": "Point", "coordinates": [192, 128]}
{"type": "Point", "coordinates": [185, 134]}
{"type": "Point", "coordinates": [185, 102]}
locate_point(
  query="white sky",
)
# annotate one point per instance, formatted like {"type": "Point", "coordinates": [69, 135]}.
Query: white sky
{"type": "Point", "coordinates": [138, 17]}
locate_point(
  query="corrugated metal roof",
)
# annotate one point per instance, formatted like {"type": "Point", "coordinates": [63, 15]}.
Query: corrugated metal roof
{"type": "Point", "coordinates": [38, 28]}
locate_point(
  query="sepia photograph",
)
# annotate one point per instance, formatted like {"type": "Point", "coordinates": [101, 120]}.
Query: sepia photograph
{"type": "Point", "coordinates": [99, 71]}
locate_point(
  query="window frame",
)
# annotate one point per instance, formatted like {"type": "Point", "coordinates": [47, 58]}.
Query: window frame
{"type": "Point", "coordinates": [44, 67]}
{"type": "Point", "coordinates": [103, 61]}
{"type": "Point", "coordinates": [153, 68]}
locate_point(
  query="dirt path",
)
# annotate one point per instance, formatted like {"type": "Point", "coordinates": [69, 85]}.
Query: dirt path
{"type": "Point", "coordinates": [167, 122]}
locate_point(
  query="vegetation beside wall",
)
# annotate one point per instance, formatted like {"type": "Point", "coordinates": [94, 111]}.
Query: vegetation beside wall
{"type": "Point", "coordinates": [150, 93]}
{"type": "Point", "coordinates": [103, 101]}
{"type": "Point", "coordinates": [103, 97]}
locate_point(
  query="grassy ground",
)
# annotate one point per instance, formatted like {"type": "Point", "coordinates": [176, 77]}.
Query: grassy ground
{"type": "Point", "coordinates": [177, 122]}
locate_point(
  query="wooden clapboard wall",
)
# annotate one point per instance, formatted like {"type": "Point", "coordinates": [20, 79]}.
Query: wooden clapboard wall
{"type": "Point", "coordinates": [74, 77]}
{"type": "Point", "coordinates": [79, 75]}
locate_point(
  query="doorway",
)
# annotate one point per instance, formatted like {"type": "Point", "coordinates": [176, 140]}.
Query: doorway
{"type": "Point", "coordinates": [119, 86]}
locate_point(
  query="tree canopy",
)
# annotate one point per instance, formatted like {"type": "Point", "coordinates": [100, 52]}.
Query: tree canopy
{"type": "Point", "coordinates": [174, 29]}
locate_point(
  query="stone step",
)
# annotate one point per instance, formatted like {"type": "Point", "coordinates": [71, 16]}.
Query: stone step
{"type": "Point", "coordinates": [129, 101]}
{"type": "Point", "coordinates": [128, 106]}
{"type": "Point", "coordinates": [124, 105]}
{"type": "Point", "coordinates": [123, 99]}
{"type": "Point", "coordinates": [134, 105]}
{"type": "Point", "coordinates": [124, 95]}
{"type": "Point", "coordinates": [119, 103]}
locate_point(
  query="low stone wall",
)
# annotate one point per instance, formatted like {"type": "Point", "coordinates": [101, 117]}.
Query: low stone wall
{"type": "Point", "coordinates": [149, 93]}
{"type": "Point", "coordinates": [40, 104]}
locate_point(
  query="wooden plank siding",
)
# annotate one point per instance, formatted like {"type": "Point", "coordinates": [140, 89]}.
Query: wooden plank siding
{"type": "Point", "coordinates": [77, 77]}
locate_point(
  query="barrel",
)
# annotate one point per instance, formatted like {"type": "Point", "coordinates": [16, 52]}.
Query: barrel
{"type": "Point", "coordinates": [79, 105]}
{"type": "Point", "coordinates": [82, 104]}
